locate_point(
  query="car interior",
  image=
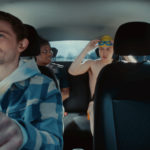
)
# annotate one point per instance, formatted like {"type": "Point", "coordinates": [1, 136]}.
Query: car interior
{"type": "Point", "coordinates": [82, 21]}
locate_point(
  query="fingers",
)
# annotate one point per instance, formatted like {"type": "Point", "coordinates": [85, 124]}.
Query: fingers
{"type": "Point", "coordinates": [10, 134]}
{"type": "Point", "coordinates": [112, 41]}
{"type": "Point", "coordinates": [5, 129]}
{"type": "Point", "coordinates": [7, 133]}
{"type": "Point", "coordinates": [4, 122]}
{"type": "Point", "coordinates": [1, 115]}
{"type": "Point", "coordinates": [95, 43]}
{"type": "Point", "coordinates": [92, 44]}
{"type": "Point", "coordinates": [65, 114]}
{"type": "Point", "coordinates": [12, 144]}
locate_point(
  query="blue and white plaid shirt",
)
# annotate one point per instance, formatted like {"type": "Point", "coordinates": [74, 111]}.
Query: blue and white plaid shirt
{"type": "Point", "coordinates": [34, 103]}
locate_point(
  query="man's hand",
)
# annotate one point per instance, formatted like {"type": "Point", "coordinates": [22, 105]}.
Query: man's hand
{"type": "Point", "coordinates": [10, 134]}
{"type": "Point", "coordinates": [91, 45]}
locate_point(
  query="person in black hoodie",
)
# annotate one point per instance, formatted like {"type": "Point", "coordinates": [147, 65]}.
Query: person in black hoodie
{"type": "Point", "coordinates": [44, 58]}
{"type": "Point", "coordinates": [42, 51]}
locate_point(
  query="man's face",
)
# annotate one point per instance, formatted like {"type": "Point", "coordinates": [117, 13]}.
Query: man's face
{"type": "Point", "coordinates": [9, 47]}
{"type": "Point", "coordinates": [106, 53]}
{"type": "Point", "coordinates": [45, 56]}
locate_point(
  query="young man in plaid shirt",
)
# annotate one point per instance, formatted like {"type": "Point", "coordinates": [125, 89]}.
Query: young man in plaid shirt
{"type": "Point", "coordinates": [30, 104]}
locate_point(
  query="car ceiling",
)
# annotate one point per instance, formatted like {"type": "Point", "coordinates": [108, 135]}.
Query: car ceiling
{"type": "Point", "coordinates": [77, 19]}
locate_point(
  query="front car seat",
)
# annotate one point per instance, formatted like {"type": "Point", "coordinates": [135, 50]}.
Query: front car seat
{"type": "Point", "coordinates": [122, 99]}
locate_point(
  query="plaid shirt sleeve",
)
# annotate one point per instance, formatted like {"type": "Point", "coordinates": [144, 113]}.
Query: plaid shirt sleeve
{"type": "Point", "coordinates": [42, 119]}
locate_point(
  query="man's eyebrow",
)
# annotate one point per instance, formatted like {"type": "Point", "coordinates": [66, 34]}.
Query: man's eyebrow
{"type": "Point", "coordinates": [6, 32]}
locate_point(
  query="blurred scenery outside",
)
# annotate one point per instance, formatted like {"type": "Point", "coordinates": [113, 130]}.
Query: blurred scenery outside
{"type": "Point", "coordinates": [69, 50]}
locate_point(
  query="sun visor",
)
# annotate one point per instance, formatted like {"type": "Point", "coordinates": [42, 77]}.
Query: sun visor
{"type": "Point", "coordinates": [132, 38]}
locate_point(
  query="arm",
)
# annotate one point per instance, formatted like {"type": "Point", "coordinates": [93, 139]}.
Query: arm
{"type": "Point", "coordinates": [65, 93]}
{"type": "Point", "coordinates": [77, 67]}
{"type": "Point", "coordinates": [37, 126]}
{"type": "Point", "coordinates": [43, 122]}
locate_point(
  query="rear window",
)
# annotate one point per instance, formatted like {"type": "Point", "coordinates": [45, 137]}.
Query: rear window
{"type": "Point", "coordinates": [69, 50]}
{"type": "Point", "coordinates": [142, 58]}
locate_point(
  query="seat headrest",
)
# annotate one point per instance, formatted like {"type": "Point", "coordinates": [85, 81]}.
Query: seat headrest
{"type": "Point", "coordinates": [33, 48]}
{"type": "Point", "coordinates": [55, 51]}
{"type": "Point", "coordinates": [132, 38]}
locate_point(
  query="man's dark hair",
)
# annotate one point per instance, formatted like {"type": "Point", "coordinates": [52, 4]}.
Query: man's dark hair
{"type": "Point", "coordinates": [43, 41]}
{"type": "Point", "coordinates": [16, 24]}
{"type": "Point", "coordinates": [33, 48]}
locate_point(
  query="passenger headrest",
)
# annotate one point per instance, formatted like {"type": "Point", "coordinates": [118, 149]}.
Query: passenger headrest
{"type": "Point", "coordinates": [132, 38]}
{"type": "Point", "coordinates": [54, 50]}
{"type": "Point", "coordinates": [33, 48]}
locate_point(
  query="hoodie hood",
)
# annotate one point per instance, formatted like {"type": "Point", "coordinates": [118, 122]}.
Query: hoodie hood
{"type": "Point", "coordinates": [26, 69]}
